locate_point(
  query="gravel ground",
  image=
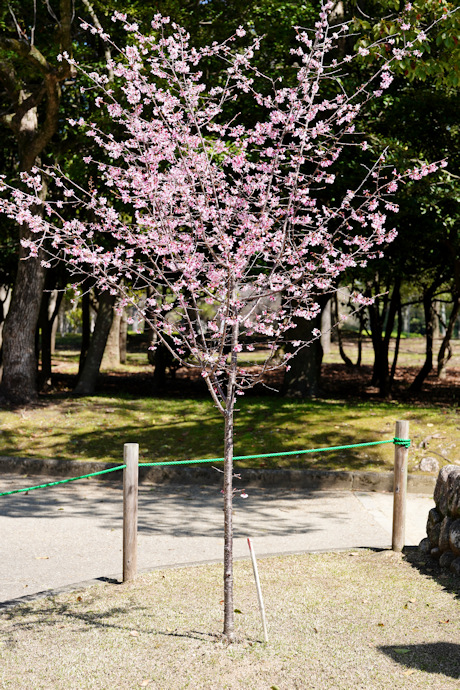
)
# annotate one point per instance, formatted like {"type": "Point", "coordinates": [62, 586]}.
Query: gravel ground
{"type": "Point", "coordinates": [337, 621]}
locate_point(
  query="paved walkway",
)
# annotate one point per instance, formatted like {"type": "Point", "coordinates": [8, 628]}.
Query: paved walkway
{"type": "Point", "coordinates": [59, 537]}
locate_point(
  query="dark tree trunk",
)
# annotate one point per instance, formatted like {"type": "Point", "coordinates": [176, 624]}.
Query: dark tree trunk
{"type": "Point", "coordinates": [304, 377]}
{"type": "Point", "coordinates": [88, 378]}
{"type": "Point", "coordinates": [159, 357]}
{"type": "Point", "coordinates": [430, 317]}
{"type": "Point", "coordinates": [360, 339]}
{"type": "Point", "coordinates": [397, 344]}
{"type": "Point", "coordinates": [381, 324]}
{"type": "Point", "coordinates": [85, 326]}
{"type": "Point", "coordinates": [123, 337]}
{"type": "Point", "coordinates": [338, 325]}
{"type": "Point", "coordinates": [51, 302]}
{"type": "Point", "coordinates": [19, 381]}
{"type": "Point", "coordinates": [445, 351]}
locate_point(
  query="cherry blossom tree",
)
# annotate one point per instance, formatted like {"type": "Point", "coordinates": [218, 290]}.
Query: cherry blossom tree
{"type": "Point", "coordinates": [208, 215]}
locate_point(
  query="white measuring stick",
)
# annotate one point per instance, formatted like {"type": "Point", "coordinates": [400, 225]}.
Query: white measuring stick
{"type": "Point", "coordinates": [259, 591]}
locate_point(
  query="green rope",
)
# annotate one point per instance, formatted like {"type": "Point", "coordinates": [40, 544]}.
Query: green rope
{"type": "Point", "coordinates": [62, 481]}
{"type": "Point", "coordinates": [396, 441]}
{"type": "Point", "coordinates": [402, 442]}
{"type": "Point", "coordinates": [266, 455]}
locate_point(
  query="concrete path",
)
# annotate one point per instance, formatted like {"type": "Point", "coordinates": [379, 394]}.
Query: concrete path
{"type": "Point", "coordinates": [58, 537]}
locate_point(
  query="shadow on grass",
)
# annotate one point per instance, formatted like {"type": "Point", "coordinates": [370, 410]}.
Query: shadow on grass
{"type": "Point", "coordinates": [430, 568]}
{"type": "Point", "coordinates": [52, 615]}
{"type": "Point", "coordinates": [173, 429]}
{"type": "Point", "coordinates": [435, 657]}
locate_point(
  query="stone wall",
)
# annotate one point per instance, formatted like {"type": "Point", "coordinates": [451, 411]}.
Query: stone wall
{"type": "Point", "coordinates": [443, 525]}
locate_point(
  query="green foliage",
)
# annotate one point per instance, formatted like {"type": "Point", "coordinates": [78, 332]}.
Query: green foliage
{"type": "Point", "coordinates": [439, 62]}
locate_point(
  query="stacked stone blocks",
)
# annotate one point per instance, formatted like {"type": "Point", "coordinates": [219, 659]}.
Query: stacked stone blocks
{"type": "Point", "coordinates": [443, 525]}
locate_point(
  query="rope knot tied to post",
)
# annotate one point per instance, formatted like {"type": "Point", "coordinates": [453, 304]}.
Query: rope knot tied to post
{"type": "Point", "coordinates": [405, 442]}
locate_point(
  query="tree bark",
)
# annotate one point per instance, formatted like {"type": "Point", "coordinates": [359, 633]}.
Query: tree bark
{"type": "Point", "coordinates": [85, 322]}
{"type": "Point", "coordinates": [229, 622]}
{"type": "Point", "coordinates": [49, 310]}
{"type": "Point", "coordinates": [123, 337]}
{"type": "Point", "coordinates": [304, 377]}
{"type": "Point", "coordinates": [111, 358]}
{"type": "Point", "coordinates": [430, 316]}
{"type": "Point", "coordinates": [381, 325]}
{"type": "Point", "coordinates": [338, 324]}
{"type": "Point", "coordinates": [88, 378]}
{"type": "Point", "coordinates": [445, 351]}
{"type": "Point", "coordinates": [19, 381]}
{"type": "Point", "coordinates": [326, 326]}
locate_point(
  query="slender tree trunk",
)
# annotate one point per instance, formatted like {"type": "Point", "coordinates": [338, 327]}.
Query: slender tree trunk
{"type": "Point", "coordinates": [445, 351]}
{"type": "Point", "coordinates": [397, 344]}
{"type": "Point", "coordinates": [338, 322]}
{"type": "Point", "coordinates": [430, 316]}
{"type": "Point", "coordinates": [360, 339]}
{"type": "Point", "coordinates": [229, 623]}
{"type": "Point", "coordinates": [123, 337]}
{"type": "Point", "coordinates": [381, 338]}
{"type": "Point", "coordinates": [85, 325]}
{"type": "Point", "coordinates": [49, 310]}
{"type": "Point", "coordinates": [87, 381]}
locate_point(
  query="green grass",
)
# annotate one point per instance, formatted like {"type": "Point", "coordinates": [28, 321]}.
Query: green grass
{"type": "Point", "coordinates": [180, 429]}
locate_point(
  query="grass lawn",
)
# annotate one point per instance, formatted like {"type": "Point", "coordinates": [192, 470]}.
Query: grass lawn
{"type": "Point", "coordinates": [338, 621]}
{"type": "Point", "coordinates": [182, 427]}
{"type": "Point", "coordinates": [179, 429]}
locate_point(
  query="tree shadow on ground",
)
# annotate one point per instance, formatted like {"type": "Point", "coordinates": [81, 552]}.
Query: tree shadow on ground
{"type": "Point", "coordinates": [54, 615]}
{"type": "Point", "coordinates": [435, 657]}
{"type": "Point", "coordinates": [428, 566]}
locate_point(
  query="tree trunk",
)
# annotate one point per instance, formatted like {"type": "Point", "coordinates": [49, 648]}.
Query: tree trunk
{"type": "Point", "coordinates": [304, 377]}
{"type": "Point", "coordinates": [326, 325]}
{"type": "Point", "coordinates": [229, 623]}
{"type": "Point", "coordinates": [111, 358]}
{"type": "Point", "coordinates": [430, 316]}
{"type": "Point", "coordinates": [338, 324]}
{"type": "Point", "coordinates": [123, 337]}
{"type": "Point", "coordinates": [381, 329]}
{"type": "Point", "coordinates": [360, 339]}
{"type": "Point", "coordinates": [87, 381]}
{"type": "Point", "coordinates": [51, 302]}
{"type": "Point", "coordinates": [5, 298]}
{"type": "Point", "coordinates": [19, 381]}
{"type": "Point", "coordinates": [445, 351]}
{"type": "Point", "coordinates": [397, 344]}
{"type": "Point", "coordinates": [85, 326]}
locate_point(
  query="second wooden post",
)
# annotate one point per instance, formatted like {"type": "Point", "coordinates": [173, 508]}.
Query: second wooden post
{"type": "Point", "coordinates": [130, 491]}
{"type": "Point", "coordinates": [400, 488]}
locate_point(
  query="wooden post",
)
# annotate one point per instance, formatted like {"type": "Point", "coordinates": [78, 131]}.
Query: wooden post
{"type": "Point", "coordinates": [400, 488]}
{"type": "Point", "coordinates": [130, 484]}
